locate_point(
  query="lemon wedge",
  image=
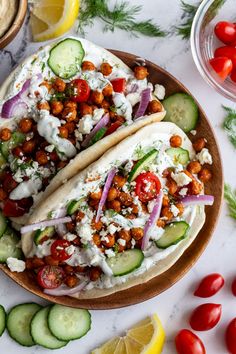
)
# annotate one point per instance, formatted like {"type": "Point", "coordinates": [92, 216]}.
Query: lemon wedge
{"type": "Point", "coordinates": [146, 337]}
{"type": "Point", "coordinates": [52, 18]}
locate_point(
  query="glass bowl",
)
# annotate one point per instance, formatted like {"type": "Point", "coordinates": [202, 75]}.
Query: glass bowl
{"type": "Point", "coordinates": [204, 42]}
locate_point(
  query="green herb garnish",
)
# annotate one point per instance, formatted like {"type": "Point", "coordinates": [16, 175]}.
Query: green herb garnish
{"type": "Point", "coordinates": [229, 124]}
{"type": "Point", "coordinates": [230, 197]}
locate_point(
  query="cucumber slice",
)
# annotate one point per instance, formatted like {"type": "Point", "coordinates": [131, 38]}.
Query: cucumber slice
{"type": "Point", "coordinates": [174, 233]}
{"type": "Point", "coordinates": [3, 224]}
{"type": "Point", "coordinates": [98, 136]}
{"type": "Point", "coordinates": [142, 164]}
{"type": "Point", "coordinates": [3, 318]}
{"type": "Point", "coordinates": [182, 110]}
{"type": "Point", "coordinates": [17, 138]}
{"type": "Point", "coordinates": [2, 161]}
{"type": "Point", "coordinates": [73, 206]}
{"type": "Point", "coordinates": [178, 155]}
{"type": "Point", "coordinates": [41, 234]}
{"type": "Point", "coordinates": [18, 323]}
{"type": "Point", "coordinates": [41, 333]}
{"type": "Point", "coordinates": [8, 246]}
{"type": "Point", "coordinates": [66, 58]}
{"type": "Point", "coordinates": [68, 323]}
{"type": "Point", "coordinates": [125, 262]}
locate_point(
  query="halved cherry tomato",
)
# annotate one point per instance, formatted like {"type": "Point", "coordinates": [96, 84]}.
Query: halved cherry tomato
{"type": "Point", "coordinates": [15, 208]}
{"type": "Point", "coordinates": [79, 90]}
{"type": "Point", "coordinates": [147, 186]}
{"type": "Point", "coordinates": [233, 75]}
{"type": "Point", "coordinates": [50, 277]}
{"type": "Point", "coordinates": [119, 85]}
{"type": "Point", "coordinates": [186, 342]}
{"type": "Point", "coordinates": [222, 66]}
{"type": "Point", "coordinates": [230, 336]}
{"type": "Point", "coordinates": [58, 250]}
{"type": "Point", "coordinates": [226, 51]}
{"type": "Point", "coordinates": [210, 285]}
{"type": "Point", "coordinates": [233, 287]}
{"type": "Point", "coordinates": [225, 32]}
{"type": "Point", "coordinates": [205, 317]}
{"type": "Point", "coordinates": [113, 127]}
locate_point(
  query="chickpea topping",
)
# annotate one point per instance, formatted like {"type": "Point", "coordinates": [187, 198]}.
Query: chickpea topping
{"type": "Point", "coordinates": [205, 175]}
{"type": "Point", "coordinates": [140, 72]}
{"type": "Point", "coordinates": [124, 235]}
{"type": "Point", "coordinates": [112, 194]}
{"type": "Point", "coordinates": [120, 248]}
{"type": "Point", "coordinates": [5, 134]}
{"type": "Point", "coordinates": [154, 106]}
{"type": "Point", "coordinates": [71, 281]}
{"type": "Point", "coordinates": [195, 187]}
{"type": "Point", "coordinates": [3, 194]}
{"type": "Point", "coordinates": [70, 126]}
{"type": "Point", "coordinates": [79, 269]}
{"type": "Point", "coordinates": [43, 105]}
{"type": "Point", "coordinates": [88, 66]}
{"type": "Point", "coordinates": [84, 109]}
{"type": "Point", "coordinates": [97, 97]}
{"type": "Point", "coordinates": [70, 226]}
{"type": "Point", "coordinates": [172, 186]}
{"type": "Point", "coordinates": [63, 132]}
{"type": "Point", "coordinates": [47, 85]}
{"type": "Point", "coordinates": [56, 107]}
{"type": "Point", "coordinates": [25, 125]}
{"type": "Point", "coordinates": [49, 260]}
{"type": "Point", "coordinates": [93, 203]}
{"type": "Point", "coordinates": [96, 195]}
{"type": "Point", "coordinates": [199, 144]}
{"type": "Point", "coordinates": [29, 146]}
{"type": "Point", "coordinates": [137, 233]}
{"type": "Point", "coordinates": [70, 104]}
{"type": "Point", "coordinates": [144, 208]}
{"type": "Point", "coordinates": [68, 269]}
{"type": "Point", "coordinates": [166, 200]}
{"type": "Point", "coordinates": [105, 105]}
{"type": "Point", "coordinates": [41, 157]}
{"type": "Point", "coordinates": [110, 241]}
{"type": "Point", "coordinates": [165, 212]}
{"type": "Point", "coordinates": [125, 199]}
{"type": "Point", "coordinates": [61, 164]}
{"type": "Point", "coordinates": [115, 205]}
{"type": "Point", "coordinates": [180, 206]}
{"type": "Point", "coordinates": [59, 85]}
{"type": "Point", "coordinates": [119, 181]}
{"type": "Point", "coordinates": [95, 273]}
{"type": "Point", "coordinates": [37, 262]}
{"type": "Point", "coordinates": [79, 216]}
{"type": "Point", "coordinates": [97, 225]}
{"type": "Point", "coordinates": [161, 223]}
{"type": "Point", "coordinates": [194, 167]}
{"type": "Point", "coordinates": [107, 91]}
{"type": "Point", "coordinates": [135, 208]}
{"type": "Point", "coordinates": [17, 151]}
{"type": "Point", "coordinates": [106, 69]}
{"type": "Point", "coordinates": [69, 114]}
{"type": "Point", "coordinates": [53, 156]}
{"type": "Point", "coordinates": [97, 240]}
{"type": "Point", "coordinates": [175, 141]}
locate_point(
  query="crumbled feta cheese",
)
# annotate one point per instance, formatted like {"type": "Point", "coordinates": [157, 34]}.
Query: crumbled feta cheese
{"type": "Point", "coordinates": [133, 243]}
{"type": "Point", "coordinates": [121, 242]}
{"type": "Point", "coordinates": [193, 132]}
{"type": "Point", "coordinates": [26, 189]}
{"type": "Point", "coordinates": [123, 106]}
{"type": "Point", "coordinates": [183, 192]}
{"type": "Point", "coordinates": [181, 178]}
{"type": "Point", "coordinates": [15, 265]}
{"type": "Point", "coordinates": [78, 135]}
{"type": "Point", "coordinates": [204, 157]}
{"type": "Point", "coordinates": [85, 232]}
{"type": "Point", "coordinates": [128, 166]}
{"type": "Point", "coordinates": [105, 239]}
{"type": "Point", "coordinates": [85, 124]}
{"type": "Point", "coordinates": [159, 91]}
{"type": "Point", "coordinates": [97, 114]}
{"type": "Point", "coordinates": [49, 148]}
{"type": "Point", "coordinates": [110, 253]}
{"type": "Point", "coordinates": [174, 210]}
{"type": "Point", "coordinates": [70, 237]}
{"type": "Point", "coordinates": [70, 250]}
{"type": "Point", "coordinates": [112, 229]}
{"type": "Point", "coordinates": [133, 98]}
{"type": "Point", "coordinates": [150, 205]}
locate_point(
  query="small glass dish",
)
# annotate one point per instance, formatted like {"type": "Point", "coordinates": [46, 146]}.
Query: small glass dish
{"type": "Point", "coordinates": [204, 42]}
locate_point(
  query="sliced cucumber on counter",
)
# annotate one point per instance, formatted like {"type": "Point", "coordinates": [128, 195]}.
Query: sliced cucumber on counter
{"type": "Point", "coordinates": [41, 234]}
{"type": "Point", "coordinates": [98, 136]}
{"type": "Point", "coordinates": [178, 155]}
{"type": "Point", "coordinates": [17, 138]}
{"type": "Point", "coordinates": [173, 234]}
{"type": "Point", "coordinates": [3, 224]}
{"type": "Point", "coordinates": [125, 262]}
{"type": "Point", "coordinates": [18, 323]}
{"type": "Point", "coordinates": [68, 323]}
{"type": "Point", "coordinates": [142, 164]}
{"type": "Point", "coordinates": [182, 110]}
{"type": "Point", "coordinates": [41, 333]}
{"type": "Point", "coordinates": [66, 58]}
{"type": "Point", "coordinates": [73, 206]}
{"type": "Point", "coordinates": [3, 318]}
{"type": "Point", "coordinates": [2, 161]}
{"type": "Point", "coordinates": [9, 246]}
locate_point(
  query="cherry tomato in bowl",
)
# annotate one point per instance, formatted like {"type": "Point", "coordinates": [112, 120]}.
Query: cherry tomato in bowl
{"type": "Point", "coordinates": [210, 285]}
{"type": "Point", "coordinates": [230, 337]}
{"type": "Point", "coordinates": [205, 317]}
{"type": "Point", "coordinates": [79, 90]}
{"type": "Point", "coordinates": [226, 51]}
{"type": "Point", "coordinates": [186, 342]}
{"type": "Point", "coordinates": [50, 277]}
{"type": "Point", "coordinates": [147, 186]}
{"type": "Point", "coordinates": [225, 32]}
{"type": "Point", "coordinates": [222, 66]}
{"type": "Point", "coordinates": [59, 250]}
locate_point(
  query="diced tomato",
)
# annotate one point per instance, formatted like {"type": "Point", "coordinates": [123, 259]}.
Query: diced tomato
{"type": "Point", "coordinates": [225, 32]}
{"type": "Point", "coordinates": [119, 85]}
{"type": "Point", "coordinates": [9, 183]}
{"type": "Point", "coordinates": [226, 51]}
{"type": "Point", "coordinates": [113, 127]}
{"type": "Point", "coordinates": [58, 250]}
{"type": "Point", "coordinates": [147, 186]}
{"type": "Point", "coordinates": [15, 208]}
{"type": "Point", "coordinates": [79, 90]}
{"type": "Point", "coordinates": [50, 277]}
{"type": "Point", "coordinates": [222, 66]}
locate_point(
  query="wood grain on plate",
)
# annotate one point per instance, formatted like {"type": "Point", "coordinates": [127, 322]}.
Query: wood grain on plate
{"type": "Point", "coordinates": [162, 282]}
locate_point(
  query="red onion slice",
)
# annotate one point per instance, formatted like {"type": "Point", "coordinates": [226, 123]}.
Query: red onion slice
{"type": "Point", "coordinates": [198, 200]}
{"type": "Point", "coordinates": [101, 124]}
{"type": "Point", "coordinates": [133, 89]}
{"type": "Point", "coordinates": [61, 228]}
{"type": "Point", "coordinates": [64, 290]}
{"type": "Point", "coordinates": [44, 223]}
{"type": "Point", "coordinates": [155, 214]}
{"type": "Point", "coordinates": [145, 99]}
{"type": "Point", "coordinates": [105, 191]}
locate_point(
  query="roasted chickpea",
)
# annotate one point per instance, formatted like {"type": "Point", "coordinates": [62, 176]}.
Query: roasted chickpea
{"type": "Point", "coordinates": [130, 216]}
{"type": "Point", "coordinates": [49, 260]}
{"type": "Point", "coordinates": [68, 269]}
{"type": "Point", "coordinates": [96, 195]}
{"type": "Point", "coordinates": [97, 225]}
{"type": "Point", "coordinates": [37, 262]}
{"type": "Point", "coordinates": [88, 66]}
{"type": "Point", "coordinates": [115, 205]}
{"type": "Point", "coordinates": [119, 181]}
{"type": "Point", "coordinates": [56, 107]}
{"type": "Point", "coordinates": [63, 132]}
{"type": "Point", "coordinates": [137, 233]}
{"type": "Point", "coordinates": [5, 134]}
{"type": "Point", "coordinates": [97, 240]}
{"type": "Point", "coordinates": [41, 157]}
{"type": "Point", "coordinates": [188, 174]}
{"type": "Point", "coordinates": [195, 187]}
{"type": "Point", "coordinates": [199, 144]}
{"type": "Point", "coordinates": [175, 141]}
{"type": "Point", "coordinates": [97, 97]}
{"type": "Point", "coordinates": [95, 273]}
{"type": "Point", "coordinates": [17, 151]}
{"type": "Point", "coordinates": [154, 106]}
{"type": "Point", "coordinates": [125, 199]}
{"type": "Point", "coordinates": [59, 85]}
{"type": "Point", "coordinates": [107, 91]}
{"type": "Point", "coordinates": [140, 72]}
{"type": "Point", "coordinates": [71, 281]}
{"type": "Point", "coordinates": [165, 212]}
{"type": "Point", "coordinates": [161, 223]}
{"type": "Point", "coordinates": [180, 206]}
{"type": "Point", "coordinates": [79, 216]}
{"type": "Point", "coordinates": [70, 126]}
{"type": "Point", "coordinates": [112, 194]}
{"type": "Point", "coordinates": [84, 109]}
{"type": "Point", "coordinates": [69, 114]}
{"type": "Point", "coordinates": [106, 69]}
{"type": "Point", "coordinates": [47, 85]}
{"type": "Point", "coordinates": [144, 208]}
{"type": "Point", "coordinates": [135, 208]}
{"type": "Point", "coordinates": [61, 164]}
{"type": "Point", "coordinates": [120, 248]}
{"type": "Point", "coordinates": [28, 263]}
{"type": "Point", "coordinates": [194, 167]}
{"type": "Point", "coordinates": [70, 104]}
{"type": "Point", "coordinates": [70, 226]}
{"type": "Point", "coordinates": [166, 200]}
{"type": "Point", "coordinates": [124, 235]}
{"type": "Point", "coordinates": [79, 269]}
{"type": "Point", "coordinates": [53, 156]}
{"type": "Point", "coordinates": [110, 241]}
{"type": "Point", "coordinates": [172, 186]}
{"type": "Point", "coordinates": [25, 125]}
{"type": "Point", "coordinates": [94, 203]}
{"type": "Point", "coordinates": [29, 146]}
{"type": "Point", "coordinates": [43, 105]}
{"type": "Point", "coordinates": [205, 175]}
{"type": "Point", "coordinates": [167, 172]}
{"type": "Point", "coordinates": [105, 105]}
{"type": "Point", "coordinates": [3, 194]}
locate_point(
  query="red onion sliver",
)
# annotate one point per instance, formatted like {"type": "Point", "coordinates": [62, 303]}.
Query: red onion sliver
{"type": "Point", "coordinates": [105, 191]}
{"type": "Point", "coordinates": [198, 200]}
{"type": "Point", "coordinates": [145, 99]}
{"type": "Point", "coordinates": [64, 290]}
{"type": "Point", "coordinates": [101, 124]}
{"type": "Point", "coordinates": [134, 88]}
{"type": "Point", "coordinates": [44, 223]}
{"type": "Point", "coordinates": [155, 214]}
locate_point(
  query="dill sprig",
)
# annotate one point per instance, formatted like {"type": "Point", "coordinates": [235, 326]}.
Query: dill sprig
{"type": "Point", "coordinates": [230, 197]}
{"type": "Point", "coordinates": [122, 16]}
{"type": "Point", "coordinates": [229, 124]}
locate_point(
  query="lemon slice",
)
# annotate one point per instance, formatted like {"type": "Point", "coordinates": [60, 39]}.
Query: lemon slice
{"type": "Point", "coordinates": [52, 18]}
{"type": "Point", "coordinates": [146, 337]}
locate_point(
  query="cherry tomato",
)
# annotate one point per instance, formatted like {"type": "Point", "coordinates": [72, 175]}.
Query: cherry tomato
{"type": "Point", "coordinates": [233, 287]}
{"type": "Point", "coordinates": [147, 186]}
{"type": "Point", "coordinates": [222, 66]}
{"type": "Point", "coordinates": [225, 32]}
{"type": "Point", "coordinates": [226, 51]}
{"type": "Point", "coordinates": [210, 285]}
{"type": "Point", "coordinates": [233, 75]}
{"type": "Point", "coordinates": [205, 317]}
{"type": "Point", "coordinates": [79, 90]}
{"type": "Point", "coordinates": [119, 85]}
{"type": "Point", "coordinates": [113, 127]}
{"type": "Point", "coordinates": [58, 250]}
{"type": "Point", "coordinates": [186, 342]}
{"type": "Point", "coordinates": [50, 277]}
{"type": "Point", "coordinates": [13, 208]}
{"type": "Point", "coordinates": [230, 336]}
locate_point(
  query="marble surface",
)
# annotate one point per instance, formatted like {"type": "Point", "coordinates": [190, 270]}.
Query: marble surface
{"type": "Point", "coordinates": [175, 305]}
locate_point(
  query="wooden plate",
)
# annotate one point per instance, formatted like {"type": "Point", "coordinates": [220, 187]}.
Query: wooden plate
{"type": "Point", "coordinates": [162, 282]}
